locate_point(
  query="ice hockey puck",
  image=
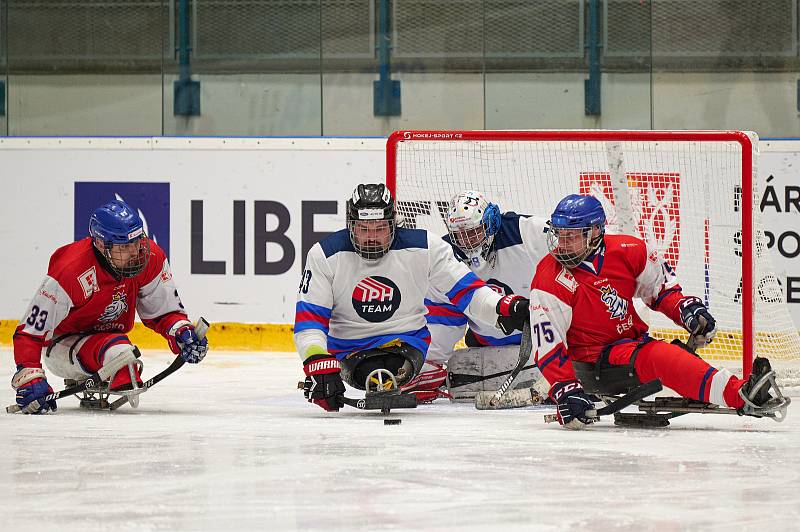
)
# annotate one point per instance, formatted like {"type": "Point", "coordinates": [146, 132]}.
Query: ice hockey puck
{"type": "Point", "coordinates": [392, 421]}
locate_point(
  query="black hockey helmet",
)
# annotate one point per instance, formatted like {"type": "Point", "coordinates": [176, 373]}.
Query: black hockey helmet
{"type": "Point", "coordinates": [371, 220]}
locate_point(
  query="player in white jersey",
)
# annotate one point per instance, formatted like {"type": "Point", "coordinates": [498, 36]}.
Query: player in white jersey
{"type": "Point", "coordinates": [503, 250]}
{"type": "Point", "coordinates": [361, 299]}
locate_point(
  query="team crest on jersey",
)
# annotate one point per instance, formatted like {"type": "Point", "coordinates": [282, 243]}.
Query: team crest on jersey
{"type": "Point", "coordinates": [376, 298]}
{"type": "Point", "coordinates": [116, 308]}
{"type": "Point", "coordinates": [617, 306]}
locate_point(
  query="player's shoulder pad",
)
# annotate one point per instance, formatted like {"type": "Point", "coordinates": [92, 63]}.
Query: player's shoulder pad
{"type": "Point", "coordinates": [71, 259]}
{"type": "Point", "coordinates": [553, 278]}
{"type": "Point", "coordinates": [509, 233]}
{"type": "Point", "coordinates": [625, 244]}
{"type": "Point", "coordinates": [405, 238]}
{"type": "Point", "coordinates": [336, 242]}
{"type": "Point", "coordinates": [75, 268]}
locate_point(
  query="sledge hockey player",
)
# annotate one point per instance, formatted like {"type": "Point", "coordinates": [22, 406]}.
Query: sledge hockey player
{"type": "Point", "coordinates": [582, 312]}
{"type": "Point", "coordinates": [361, 299]}
{"type": "Point", "coordinates": [503, 250]}
{"type": "Point", "coordinates": [79, 317]}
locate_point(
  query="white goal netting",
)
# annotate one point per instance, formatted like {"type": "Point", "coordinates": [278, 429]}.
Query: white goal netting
{"type": "Point", "coordinates": [683, 192]}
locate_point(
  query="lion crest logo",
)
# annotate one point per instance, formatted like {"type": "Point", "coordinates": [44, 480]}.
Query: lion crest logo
{"type": "Point", "coordinates": [116, 308]}
{"type": "Point", "coordinates": [617, 306]}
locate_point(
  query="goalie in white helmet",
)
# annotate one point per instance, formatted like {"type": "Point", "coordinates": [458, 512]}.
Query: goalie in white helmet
{"type": "Point", "coordinates": [503, 250]}
{"type": "Point", "coordinates": [361, 304]}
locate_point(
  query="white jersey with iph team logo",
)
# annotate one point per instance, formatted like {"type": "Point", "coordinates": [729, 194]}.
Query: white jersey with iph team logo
{"type": "Point", "coordinates": [519, 245]}
{"type": "Point", "coordinates": [347, 304]}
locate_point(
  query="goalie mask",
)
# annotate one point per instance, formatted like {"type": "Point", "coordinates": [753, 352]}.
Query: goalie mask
{"type": "Point", "coordinates": [119, 236]}
{"type": "Point", "coordinates": [576, 229]}
{"type": "Point", "coordinates": [472, 223]}
{"type": "Point", "coordinates": [371, 220]}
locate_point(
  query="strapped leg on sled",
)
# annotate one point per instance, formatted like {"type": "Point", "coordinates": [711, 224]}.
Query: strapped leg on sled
{"type": "Point", "coordinates": [610, 382]}
{"type": "Point", "coordinates": [120, 373]}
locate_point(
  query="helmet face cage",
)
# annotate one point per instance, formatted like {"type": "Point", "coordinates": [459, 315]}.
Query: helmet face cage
{"type": "Point", "coordinates": [472, 223]}
{"type": "Point", "coordinates": [563, 244]}
{"type": "Point", "coordinates": [371, 220]}
{"type": "Point", "coordinates": [371, 238]}
{"type": "Point", "coordinates": [119, 235]}
{"type": "Point", "coordinates": [133, 255]}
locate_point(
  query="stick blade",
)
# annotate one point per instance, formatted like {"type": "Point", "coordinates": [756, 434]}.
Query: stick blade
{"type": "Point", "coordinates": [518, 398]}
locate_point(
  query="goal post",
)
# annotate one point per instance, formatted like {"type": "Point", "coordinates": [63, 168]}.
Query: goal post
{"type": "Point", "coordinates": [691, 194]}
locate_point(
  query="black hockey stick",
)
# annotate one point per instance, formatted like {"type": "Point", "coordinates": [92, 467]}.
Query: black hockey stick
{"type": "Point", "coordinates": [525, 348]}
{"type": "Point", "coordinates": [200, 329]}
{"type": "Point", "coordinates": [637, 394]}
{"type": "Point", "coordinates": [93, 380]}
{"type": "Point", "coordinates": [96, 379]}
{"type": "Point", "coordinates": [462, 379]}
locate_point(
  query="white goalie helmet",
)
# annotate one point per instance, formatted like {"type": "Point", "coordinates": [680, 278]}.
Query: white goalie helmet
{"type": "Point", "coordinates": [472, 223]}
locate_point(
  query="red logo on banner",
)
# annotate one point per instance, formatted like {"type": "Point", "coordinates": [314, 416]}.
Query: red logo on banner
{"type": "Point", "coordinates": [654, 207]}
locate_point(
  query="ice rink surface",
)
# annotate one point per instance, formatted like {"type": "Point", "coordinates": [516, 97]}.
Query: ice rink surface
{"type": "Point", "coordinates": [231, 444]}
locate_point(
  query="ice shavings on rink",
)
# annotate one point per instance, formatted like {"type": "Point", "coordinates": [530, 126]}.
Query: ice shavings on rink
{"type": "Point", "coordinates": [231, 444]}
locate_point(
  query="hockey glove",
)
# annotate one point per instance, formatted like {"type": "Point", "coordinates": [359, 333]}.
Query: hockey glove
{"type": "Point", "coordinates": [323, 385]}
{"type": "Point", "coordinates": [697, 320]}
{"type": "Point", "coordinates": [575, 408]}
{"type": "Point", "coordinates": [31, 386]}
{"type": "Point", "coordinates": [193, 349]}
{"type": "Point", "coordinates": [512, 312]}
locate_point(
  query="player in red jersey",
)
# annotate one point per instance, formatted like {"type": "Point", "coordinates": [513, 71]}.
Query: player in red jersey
{"type": "Point", "coordinates": [79, 317]}
{"type": "Point", "coordinates": [582, 310]}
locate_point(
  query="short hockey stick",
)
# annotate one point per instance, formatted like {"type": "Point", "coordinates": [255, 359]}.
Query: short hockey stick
{"type": "Point", "coordinates": [525, 348]}
{"type": "Point", "coordinates": [200, 329]}
{"type": "Point", "coordinates": [96, 379]}
{"type": "Point", "coordinates": [637, 394]}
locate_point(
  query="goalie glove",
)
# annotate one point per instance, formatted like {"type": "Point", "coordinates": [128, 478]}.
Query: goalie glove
{"type": "Point", "coordinates": [697, 320]}
{"type": "Point", "coordinates": [323, 385]}
{"type": "Point", "coordinates": [512, 312]}
{"type": "Point", "coordinates": [575, 408]}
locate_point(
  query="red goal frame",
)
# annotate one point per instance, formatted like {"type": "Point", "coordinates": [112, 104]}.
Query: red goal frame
{"type": "Point", "coordinates": [626, 135]}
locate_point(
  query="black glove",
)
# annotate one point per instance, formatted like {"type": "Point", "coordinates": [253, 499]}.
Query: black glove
{"type": "Point", "coordinates": [575, 408]}
{"type": "Point", "coordinates": [697, 320]}
{"type": "Point", "coordinates": [512, 312]}
{"type": "Point", "coordinates": [323, 385]}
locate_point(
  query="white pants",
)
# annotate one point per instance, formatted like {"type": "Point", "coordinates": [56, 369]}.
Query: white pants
{"type": "Point", "coordinates": [61, 357]}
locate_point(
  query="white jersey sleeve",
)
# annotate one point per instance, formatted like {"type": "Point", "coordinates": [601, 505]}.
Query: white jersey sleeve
{"type": "Point", "coordinates": [464, 289]}
{"type": "Point", "coordinates": [314, 303]}
{"type": "Point", "coordinates": [551, 318]}
{"type": "Point", "coordinates": [48, 308]}
{"type": "Point", "coordinates": [159, 296]}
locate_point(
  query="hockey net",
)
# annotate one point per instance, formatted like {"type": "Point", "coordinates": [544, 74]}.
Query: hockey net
{"type": "Point", "coordinates": [691, 194]}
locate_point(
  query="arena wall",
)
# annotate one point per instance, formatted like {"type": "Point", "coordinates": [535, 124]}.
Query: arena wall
{"type": "Point", "coordinates": [237, 216]}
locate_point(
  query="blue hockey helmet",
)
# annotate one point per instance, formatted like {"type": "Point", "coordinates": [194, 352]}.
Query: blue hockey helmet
{"type": "Point", "coordinates": [576, 212]}
{"type": "Point", "coordinates": [117, 226]}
